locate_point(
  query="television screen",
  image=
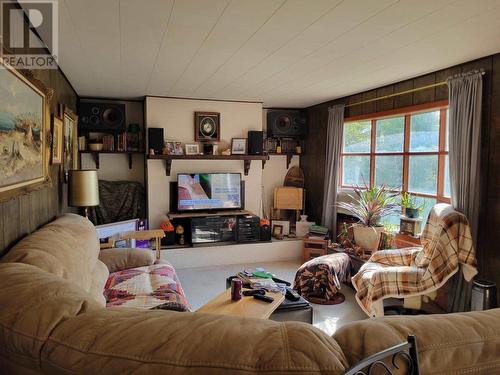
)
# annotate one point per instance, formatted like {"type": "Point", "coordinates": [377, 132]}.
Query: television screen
{"type": "Point", "coordinates": [208, 191]}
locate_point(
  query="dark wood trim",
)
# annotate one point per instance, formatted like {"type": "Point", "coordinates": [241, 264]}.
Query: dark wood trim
{"type": "Point", "coordinates": [246, 159]}
{"type": "Point", "coordinates": [403, 110]}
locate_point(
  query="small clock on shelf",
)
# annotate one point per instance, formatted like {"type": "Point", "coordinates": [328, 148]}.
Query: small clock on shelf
{"type": "Point", "coordinates": [206, 126]}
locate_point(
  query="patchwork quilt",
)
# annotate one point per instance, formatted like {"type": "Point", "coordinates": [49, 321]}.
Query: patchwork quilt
{"type": "Point", "coordinates": [322, 276]}
{"type": "Point", "coordinates": [155, 286]}
{"type": "Point", "coordinates": [446, 248]}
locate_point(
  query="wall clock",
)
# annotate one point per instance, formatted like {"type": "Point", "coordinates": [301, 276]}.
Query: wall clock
{"type": "Point", "coordinates": [206, 126]}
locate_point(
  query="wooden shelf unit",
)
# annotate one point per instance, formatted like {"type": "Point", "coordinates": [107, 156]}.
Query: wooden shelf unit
{"type": "Point", "coordinates": [246, 159]}
{"type": "Point", "coordinates": [95, 155]}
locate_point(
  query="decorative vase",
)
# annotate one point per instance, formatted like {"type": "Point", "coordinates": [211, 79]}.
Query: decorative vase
{"type": "Point", "coordinates": [367, 237]}
{"type": "Point", "coordinates": [411, 213]}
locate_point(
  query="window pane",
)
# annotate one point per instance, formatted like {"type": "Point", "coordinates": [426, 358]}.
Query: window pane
{"type": "Point", "coordinates": [427, 203]}
{"type": "Point", "coordinates": [357, 136]}
{"type": "Point", "coordinates": [390, 135]}
{"type": "Point", "coordinates": [389, 171]}
{"type": "Point", "coordinates": [356, 170]}
{"type": "Point", "coordinates": [423, 174]}
{"type": "Point", "coordinates": [424, 131]}
{"type": "Point", "coordinates": [446, 187]}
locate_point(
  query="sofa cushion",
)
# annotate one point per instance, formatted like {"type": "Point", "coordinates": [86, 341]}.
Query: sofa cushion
{"type": "Point", "coordinates": [101, 274]}
{"type": "Point", "coordinates": [118, 259]}
{"type": "Point", "coordinates": [146, 287]}
{"type": "Point", "coordinates": [447, 344]}
{"type": "Point", "coordinates": [33, 302]}
{"type": "Point", "coordinates": [67, 247]}
{"type": "Point", "coordinates": [118, 341]}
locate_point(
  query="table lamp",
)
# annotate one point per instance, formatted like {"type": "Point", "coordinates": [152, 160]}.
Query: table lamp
{"type": "Point", "coordinates": [83, 189]}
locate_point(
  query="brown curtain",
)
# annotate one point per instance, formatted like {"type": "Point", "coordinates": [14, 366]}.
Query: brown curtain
{"type": "Point", "coordinates": [335, 134]}
{"type": "Point", "coordinates": [465, 99]}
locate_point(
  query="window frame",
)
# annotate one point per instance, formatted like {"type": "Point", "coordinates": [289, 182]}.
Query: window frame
{"type": "Point", "coordinates": [407, 112]}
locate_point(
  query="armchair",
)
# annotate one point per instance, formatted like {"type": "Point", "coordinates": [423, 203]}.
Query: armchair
{"type": "Point", "coordinates": [412, 273]}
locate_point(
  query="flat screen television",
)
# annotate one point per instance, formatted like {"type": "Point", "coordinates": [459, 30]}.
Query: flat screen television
{"type": "Point", "coordinates": [208, 191]}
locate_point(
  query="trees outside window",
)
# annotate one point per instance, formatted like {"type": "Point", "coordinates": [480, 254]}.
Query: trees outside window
{"type": "Point", "coordinates": [405, 150]}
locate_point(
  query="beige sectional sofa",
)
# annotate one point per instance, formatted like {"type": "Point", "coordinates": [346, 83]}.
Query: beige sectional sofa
{"type": "Point", "coordinates": [53, 320]}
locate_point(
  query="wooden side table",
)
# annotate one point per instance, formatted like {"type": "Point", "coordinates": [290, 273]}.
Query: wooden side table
{"type": "Point", "coordinates": [142, 235]}
{"type": "Point", "coordinates": [313, 247]}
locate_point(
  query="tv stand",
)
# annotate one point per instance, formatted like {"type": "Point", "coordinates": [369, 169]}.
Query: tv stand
{"type": "Point", "coordinates": [186, 215]}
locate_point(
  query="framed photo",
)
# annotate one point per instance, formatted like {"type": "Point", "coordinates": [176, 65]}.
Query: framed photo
{"type": "Point", "coordinates": [238, 146]}
{"type": "Point", "coordinates": [178, 148]}
{"type": "Point", "coordinates": [24, 133]}
{"type": "Point", "coordinates": [70, 135]}
{"type": "Point", "coordinates": [206, 126]}
{"type": "Point", "coordinates": [169, 147]}
{"type": "Point", "coordinates": [284, 224]}
{"type": "Point", "coordinates": [57, 140]}
{"type": "Point", "coordinates": [277, 231]}
{"type": "Point", "coordinates": [192, 149]}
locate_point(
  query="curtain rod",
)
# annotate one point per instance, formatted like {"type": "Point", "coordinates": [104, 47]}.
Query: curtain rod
{"type": "Point", "coordinates": [400, 93]}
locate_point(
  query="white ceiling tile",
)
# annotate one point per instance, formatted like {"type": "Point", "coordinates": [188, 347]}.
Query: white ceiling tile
{"type": "Point", "coordinates": [285, 53]}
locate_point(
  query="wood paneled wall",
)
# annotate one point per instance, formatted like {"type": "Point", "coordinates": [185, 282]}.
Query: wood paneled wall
{"type": "Point", "coordinates": [26, 213]}
{"type": "Point", "coordinates": [313, 162]}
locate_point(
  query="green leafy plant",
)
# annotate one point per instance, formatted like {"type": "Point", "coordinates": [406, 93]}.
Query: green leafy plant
{"type": "Point", "coordinates": [370, 205]}
{"type": "Point", "coordinates": [409, 201]}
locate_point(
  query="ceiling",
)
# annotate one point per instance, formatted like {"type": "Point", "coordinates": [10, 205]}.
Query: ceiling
{"type": "Point", "coordinates": [285, 53]}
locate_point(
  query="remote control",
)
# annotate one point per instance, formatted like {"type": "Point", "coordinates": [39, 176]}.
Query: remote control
{"type": "Point", "coordinates": [263, 298]}
{"type": "Point", "coordinates": [291, 294]}
{"type": "Point", "coordinates": [276, 280]}
{"type": "Point", "coordinates": [253, 292]}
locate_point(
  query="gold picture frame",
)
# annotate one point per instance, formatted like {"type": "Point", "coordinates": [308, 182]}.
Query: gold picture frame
{"type": "Point", "coordinates": [57, 140]}
{"type": "Point", "coordinates": [24, 133]}
{"type": "Point", "coordinates": [70, 140]}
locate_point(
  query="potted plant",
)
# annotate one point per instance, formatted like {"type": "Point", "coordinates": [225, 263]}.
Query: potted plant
{"type": "Point", "coordinates": [369, 206]}
{"type": "Point", "coordinates": [411, 207]}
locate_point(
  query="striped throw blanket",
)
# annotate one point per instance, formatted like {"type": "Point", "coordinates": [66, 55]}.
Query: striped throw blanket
{"type": "Point", "coordinates": [446, 248]}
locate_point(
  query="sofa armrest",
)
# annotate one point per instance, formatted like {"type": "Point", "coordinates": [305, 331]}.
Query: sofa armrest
{"type": "Point", "coordinates": [163, 342]}
{"type": "Point", "coordinates": [118, 259]}
{"type": "Point", "coordinates": [447, 343]}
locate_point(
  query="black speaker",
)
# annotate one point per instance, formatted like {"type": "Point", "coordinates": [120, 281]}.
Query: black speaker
{"type": "Point", "coordinates": [265, 233]}
{"type": "Point", "coordinates": [255, 142]}
{"type": "Point", "coordinates": [155, 140]}
{"type": "Point", "coordinates": [101, 117]}
{"type": "Point", "coordinates": [286, 123]}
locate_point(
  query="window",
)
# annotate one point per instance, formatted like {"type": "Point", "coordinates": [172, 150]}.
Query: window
{"type": "Point", "coordinates": [405, 150]}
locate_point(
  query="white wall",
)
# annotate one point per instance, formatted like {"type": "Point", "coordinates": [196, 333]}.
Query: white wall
{"type": "Point", "coordinates": [176, 117]}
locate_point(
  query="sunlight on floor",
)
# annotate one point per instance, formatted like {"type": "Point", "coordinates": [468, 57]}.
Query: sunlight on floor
{"type": "Point", "coordinates": [202, 284]}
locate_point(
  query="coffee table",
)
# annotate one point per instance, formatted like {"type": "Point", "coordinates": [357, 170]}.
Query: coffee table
{"type": "Point", "coordinates": [246, 306]}
{"type": "Point", "coordinates": [297, 311]}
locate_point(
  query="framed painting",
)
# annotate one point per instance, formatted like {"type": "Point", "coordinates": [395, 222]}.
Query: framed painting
{"type": "Point", "coordinates": [70, 140]}
{"type": "Point", "coordinates": [24, 134]}
{"type": "Point", "coordinates": [57, 140]}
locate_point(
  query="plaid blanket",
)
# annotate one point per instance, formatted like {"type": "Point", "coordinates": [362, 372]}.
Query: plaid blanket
{"type": "Point", "coordinates": [446, 247]}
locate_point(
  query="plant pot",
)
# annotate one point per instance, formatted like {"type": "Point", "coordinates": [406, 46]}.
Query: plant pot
{"type": "Point", "coordinates": [367, 237]}
{"type": "Point", "coordinates": [411, 213]}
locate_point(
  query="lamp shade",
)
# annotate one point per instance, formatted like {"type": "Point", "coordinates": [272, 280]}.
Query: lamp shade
{"type": "Point", "coordinates": [83, 188]}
